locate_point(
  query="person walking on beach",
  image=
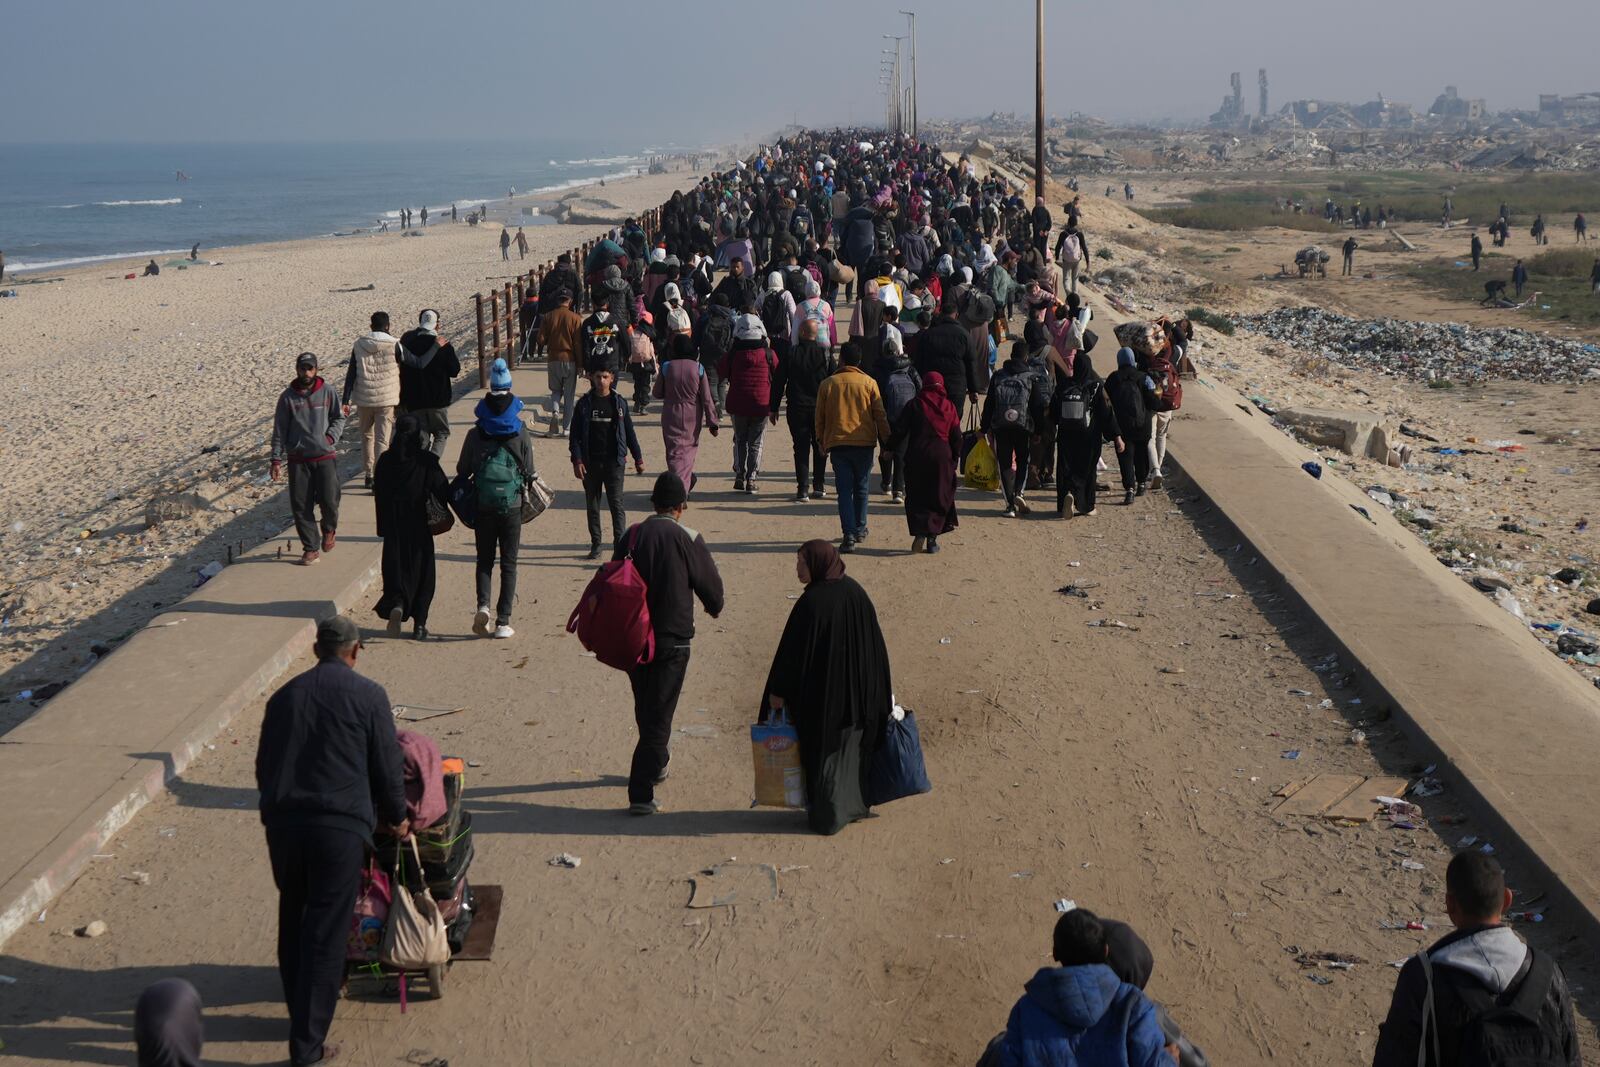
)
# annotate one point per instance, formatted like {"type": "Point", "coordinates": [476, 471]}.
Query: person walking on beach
{"type": "Point", "coordinates": [677, 569]}
{"type": "Point", "coordinates": [522, 244]}
{"type": "Point", "coordinates": [687, 405]}
{"type": "Point", "coordinates": [505, 243]}
{"type": "Point", "coordinates": [453, 214]}
{"type": "Point", "coordinates": [2, 266]}
{"type": "Point", "coordinates": [407, 479]}
{"type": "Point", "coordinates": [305, 432]}
{"type": "Point", "coordinates": [372, 384]}
{"type": "Point", "coordinates": [329, 770]}
{"type": "Point", "coordinates": [1349, 249]}
{"type": "Point", "coordinates": [602, 439]}
{"type": "Point", "coordinates": [561, 335]}
{"type": "Point", "coordinates": [498, 454]}
{"type": "Point", "coordinates": [194, 252]}
{"type": "Point", "coordinates": [428, 364]}
{"type": "Point", "coordinates": [424, 216]}
{"type": "Point", "coordinates": [850, 421]}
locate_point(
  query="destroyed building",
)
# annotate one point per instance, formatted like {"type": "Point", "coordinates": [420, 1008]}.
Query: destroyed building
{"type": "Point", "coordinates": [1451, 105]}
{"type": "Point", "coordinates": [1582, 109]}
{"type": "Point", "coordinates": [1232, 113]}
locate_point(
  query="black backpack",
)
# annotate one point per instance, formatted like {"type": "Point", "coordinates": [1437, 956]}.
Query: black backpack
{"type": "Point", "coordinates": [1013, 401]}
{"type": "Point", "coordinates": [1075, 410]}
{"type": "Point", "coordinates": [775, 316]}
{"type": "Point", "coordinates": [800, 222]}
{"type": "Point", "coordinates": [1509, 1033]}
{"type": "Point", "coordinates": [716, 340]}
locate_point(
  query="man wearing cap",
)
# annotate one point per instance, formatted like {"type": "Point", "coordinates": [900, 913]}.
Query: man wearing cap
{"type": "Point", "coordinates": [428, 364]}
{"type": "Point", "coordinates": [305, 431]}
{"type": "Point", "coordinates": [329, 770]}
{"type": "Point", "coordinates": [677, 568]}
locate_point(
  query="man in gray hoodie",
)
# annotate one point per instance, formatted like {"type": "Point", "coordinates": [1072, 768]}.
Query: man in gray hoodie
{"type": "Point", "coordinates": [1449, 1001]}
{"type": "Point", "coordinates": [305, 431]}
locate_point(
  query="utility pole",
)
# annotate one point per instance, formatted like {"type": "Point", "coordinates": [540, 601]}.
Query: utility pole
{"type": "Point", "coordinates": [911, 16]}
{"type": "Point", "coordinates": [897, 116]}
{"type": "Point", "coordinates": [1038, 99]}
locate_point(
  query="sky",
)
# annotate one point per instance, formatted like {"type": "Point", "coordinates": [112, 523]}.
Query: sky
{"type": "Point", "coordinates": [693, 71]}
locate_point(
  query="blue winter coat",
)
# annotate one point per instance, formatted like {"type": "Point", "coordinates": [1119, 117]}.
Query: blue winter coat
{"type": "Point", "coordinates": [1082, 1017]}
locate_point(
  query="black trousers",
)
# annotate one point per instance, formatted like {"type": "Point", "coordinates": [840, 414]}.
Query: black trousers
{"type": "Point", "coordinates": [609, 481]}
{"type": "Point", "coordinates": [1134, 459]}
{"type": "Point", "coordinates": [1077, 455]}
{"type": "Point", "coordinates": [1011, 450]}
{"type": "Point", "coordinates": [643, 375]}
{"type": "Point", "coordinates": [318, 873]}
{"type": "Point", "coordinates": [1042, 457]}
{"type": "Point", "coordinates": [313, 485]}
{"type": "Point", "coordinates": [892, 467]}
{"type": "Point", "coordinates": [807, 450]}
{"type": "Point", "coordinates": [503, 533]}
{"type": "Point", "coordinates": [656, 687]}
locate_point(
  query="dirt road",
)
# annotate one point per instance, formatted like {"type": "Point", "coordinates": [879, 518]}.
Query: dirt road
{"type": "Point", "coordinates": [1129, 770]}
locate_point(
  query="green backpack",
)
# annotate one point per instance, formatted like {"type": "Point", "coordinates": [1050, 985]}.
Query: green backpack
{"type": "Point", "coordinates": [499, 481]}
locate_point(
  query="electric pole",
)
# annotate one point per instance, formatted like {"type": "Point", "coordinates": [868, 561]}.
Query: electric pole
{"type": "Point", "coordinates": [911, 16]}
{"type": "Point", "coordinates": [1038, 99]}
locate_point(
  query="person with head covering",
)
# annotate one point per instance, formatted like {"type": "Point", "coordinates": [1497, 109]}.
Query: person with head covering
{"type": "Point", "coordinates": [819, 311]}
{"type": "Point", "coordinates": [899, 383]}
{"type": "Point", "coordinates": [866, 325]}
{"type": "Point", "coordinates": [1132, 395]}
{"type": "Point", "coordinates": [799, 376]}
{"type": "Point", "coordinates": [1131, 960]}
{"type": "Point", "coordinates": [677, 569]}
{"type": "Point", "coordinates": [1014, 405]}
{"type": "Point", "coordinates": [408, 476]}
{"type": "Point", "coordinates": [167, 1027]}
{"type": "Point", "coordinates": [830, 674]}
{"type": "Point", "coordinates": [428, 364]}
{"type": "Point", "coordinates": [687, 405]}
{"type": "Point", "coordinates": [748, 369]}
{"type": "Point", "coordinates": [498, 454]}
{"type": "Point", "coordinates": [929, 431]}
{"type": "Point", "coordinates": [777, 314]}
{"type": "Point", "coordinates": [1084, 421]}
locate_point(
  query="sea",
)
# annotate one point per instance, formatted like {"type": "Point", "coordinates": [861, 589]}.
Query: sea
{"type": "Point", "coordinates": [67, 205]}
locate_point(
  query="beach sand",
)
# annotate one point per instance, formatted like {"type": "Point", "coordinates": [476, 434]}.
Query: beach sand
{"type": "Point", "coordinates": [116, 388]}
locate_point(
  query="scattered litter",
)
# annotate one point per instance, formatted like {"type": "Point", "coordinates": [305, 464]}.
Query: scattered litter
{"type": "Point", "coordinates": [421, 714]}
{"type": "Point", "coordinates": [167, 831]}
{"type": "Point", "coordinates": [138, 877]}
{"type": "Point", "coordinates": [1299, 692]}
{"type": "Point", "coordinates": [1173, 670]}
{"type": "Point", "coordinates": [1333, 961]}
{"type": "Point", "coordinates": [1468, 841]}
{"type": "Point", "coordinates": [565, 859]}
{"type": "Point", "coordinates": [1073, 590]}
{"type": "Point", "coordinates": [1112, 624]}
{"type": "Point", "coordinates": [1023, 874]}
{"type": "Point", "coordinates": [1312, 468]}
{"type": "Point", "coordinates": [1064, 905]}
{"type": "Point", "coordinates": [1320, 979]}
{"type": "Point", "coordinates": [1427, 787]}
{"type": "Point", "coordinates": [697, 730]}
{"type": "Point", "coordinates": [6, 979]}
{"type": "Point", "coordinates": [1291, 753]}
{"type": "Point", "coordinates": [944, 640]}
{"type": "Point", "coordinates": [1358, 737]}
{"type": "Point", "coordinates": [1074, 563]}
{"type": "Point", "coordinates": [734, 883]}
{"type": "Point", "coordinates": [94, 929]}
{"type": "Point", "coordinates": [943, 862]}
{"type": "Point", "coordinates": [1413, 865]}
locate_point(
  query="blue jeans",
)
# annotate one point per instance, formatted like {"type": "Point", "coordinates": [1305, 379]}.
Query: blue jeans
{"type": "Point", "coordinates": [852, 464]}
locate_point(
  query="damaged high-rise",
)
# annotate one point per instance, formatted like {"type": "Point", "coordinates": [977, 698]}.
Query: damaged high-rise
{"type": "Point", "coordinates": [1261, 80]}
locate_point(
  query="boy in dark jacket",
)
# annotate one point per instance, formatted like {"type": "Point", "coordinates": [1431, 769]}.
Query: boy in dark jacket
{"type": "Point", "coordinates": [305, 431]}
{"type": "Point", "coordinates": [1017, 399]}
{"type": "Point", "coordinates": [798, 377]}
{"type": "Point", "coordinates": [428, 364]}
{"type": "Point", "coordinates": [1132, 395]}
{"type": "Point", "coordinates": [1481, 965]}
{"type": "Point", "coordinates": [602, 438]}
{"type": "Point", "coordinates": [899, 383]}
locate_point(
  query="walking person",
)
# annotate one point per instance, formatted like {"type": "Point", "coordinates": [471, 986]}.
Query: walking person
{"type": "Point", "coordinates": [1519, 277]}
{"type": "Point", "coordinates": [677, 569]}
{"type": "Point", "coordinates": [1594, 277]}
{"type": "Point", "coordinates": [830, 675]}
{"type": "Point", "coordinates": [947, 347]}
{"type": "Point", "coordinates": [1016, 400]}
{"type": "Point", "coordinates": [1084, 422]}
{"type": "Point", "coordinates": [306, 426]}
{"type": "Point", "coordinates": [561, 335]}
{"type": "Point", "coordinates": [428, 364]}
{"type": "Point", "coordinates": [1477, 251]}
{"type": "Point", "coordinates": [747, 370]}
{"type": "Point", "coordinates": [850, 421]}
{"type": "Point", "coordinates": [1580, 228]}
{"type": "Point", "coordinates": [687, 406]}
{"type": "Point", "coordinates": [329, 770]}
{"type": "Point", "coordinates": [1132, 395]}
{"type": "Point", "coordinates": [522, 244]}
{"type": "Point", "coordinates": [372, 384]}
{"type": "Point", "coordinates": [899, 383]}
{"type": "Point", "coordinates": [799, 376]}
{"type": "Point", "coordinates": [505, 243]}
{"type": "Point", "coordinates": [602, 440]}
{"type": "Point", "coordinates": [408, 477]}
{"type": "Point", "coordinates": [928, 434]}
{"type": "Point", "coordinates": [498, 454]}
{"type": "Point", "coordinates": [1349, 249]}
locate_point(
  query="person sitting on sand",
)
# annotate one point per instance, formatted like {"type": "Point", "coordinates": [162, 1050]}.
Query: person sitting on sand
{"type": "Point", "coordinates": [151, 269]}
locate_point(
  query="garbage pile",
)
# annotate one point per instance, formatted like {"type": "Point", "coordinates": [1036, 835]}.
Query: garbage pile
{"type": "Point", "coordinates": [1425, 351]}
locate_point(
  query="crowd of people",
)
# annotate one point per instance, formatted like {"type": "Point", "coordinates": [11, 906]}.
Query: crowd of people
{"type": "Point", "coordinates": [966, 330]}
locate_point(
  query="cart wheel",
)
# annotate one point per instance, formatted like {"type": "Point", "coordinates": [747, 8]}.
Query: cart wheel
{"type": "Point", "coordinates": [436, 980]}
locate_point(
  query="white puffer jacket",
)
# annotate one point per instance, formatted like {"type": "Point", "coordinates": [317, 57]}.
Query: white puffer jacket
{"type": "Point", "coordinates": [377, 374]}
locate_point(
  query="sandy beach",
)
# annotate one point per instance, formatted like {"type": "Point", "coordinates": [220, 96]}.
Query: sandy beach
{"type": "Point", "coordinates": [124, 390]}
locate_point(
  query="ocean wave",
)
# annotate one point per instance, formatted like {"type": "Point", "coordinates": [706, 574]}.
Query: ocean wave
{"type": "Point", "coordinates": [22, 265]}
{"type": "Point", "coordinates": [120, 203]}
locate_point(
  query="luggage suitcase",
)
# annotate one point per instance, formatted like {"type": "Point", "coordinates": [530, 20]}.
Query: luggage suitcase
{"type": "Point", "coordinates": [450, 907]}
{"type": "Point", "coordinates": [441, 878]}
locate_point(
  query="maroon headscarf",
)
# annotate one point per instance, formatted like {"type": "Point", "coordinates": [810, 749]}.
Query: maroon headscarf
{"type": "Point", "coordinates": [936, 407]}
{"type": "Point", "coordinates": [822, 561]}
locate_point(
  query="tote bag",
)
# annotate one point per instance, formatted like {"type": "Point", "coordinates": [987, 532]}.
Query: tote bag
{"type": "Point", "coordinates": [415, 937]}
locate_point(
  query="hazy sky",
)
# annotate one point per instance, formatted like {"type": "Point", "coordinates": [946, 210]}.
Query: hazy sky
{"type": "Point", "coordinates": [686, 70]}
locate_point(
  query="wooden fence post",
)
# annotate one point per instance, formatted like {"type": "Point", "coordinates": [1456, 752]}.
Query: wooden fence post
{"type": "Point", "coordinates": [483, 364]}
{"type": "Point", "coordinates": [494, 321]}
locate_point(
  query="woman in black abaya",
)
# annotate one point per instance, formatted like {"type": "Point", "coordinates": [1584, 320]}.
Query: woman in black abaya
{"type": "Point", "coordinates": [405, 477]}
{"type": "Point", "coordinates": [831, 673]}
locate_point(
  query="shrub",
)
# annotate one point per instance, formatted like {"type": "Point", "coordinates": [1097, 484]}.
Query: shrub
{"type": "Point", "coordinates": [1205, 317]}
{"type": "Point", "coordinates": [1102, 253]}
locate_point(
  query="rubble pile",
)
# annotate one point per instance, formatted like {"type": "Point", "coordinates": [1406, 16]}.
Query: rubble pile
{"type": "Point", "coordinates": [1429, 351]}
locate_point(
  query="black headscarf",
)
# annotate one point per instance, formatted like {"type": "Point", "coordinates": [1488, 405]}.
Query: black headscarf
{"type": "Point", "coordinates": [822, 561]}
{"type": "Point", "coordinates": [404, 476]}
{"type": "Point", "coordinates": [167, 1029]}
{"type": "Point", "coordinates": [1083, 368]}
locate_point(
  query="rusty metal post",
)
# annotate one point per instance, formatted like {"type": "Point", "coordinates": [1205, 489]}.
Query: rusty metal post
{"type": "Point", "coordinates": [483, 365]}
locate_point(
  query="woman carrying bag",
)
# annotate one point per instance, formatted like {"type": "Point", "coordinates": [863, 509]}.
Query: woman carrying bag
{"type": "Point", "coordinates": [411, 495]}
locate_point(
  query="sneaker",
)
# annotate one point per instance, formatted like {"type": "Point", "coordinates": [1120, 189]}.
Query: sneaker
{"type": "Point", "coordinates": [883, 488]}
{"type": "Point", "coordinates": [396, 614]}
{"type": "Point", "coordinates": [898, 498]}
{"type": "Point", "coordinates": [329, 539]}
{"type": "Point", "coordinates": [847, 546]}
{"type": "Point", "coordinates": [918, 544]}
{"type": "Point", "coordinates": [1156, 481]}
{"type": "Point", "coordinates": [1091, 511]}
{"type": "Point", "coordinates": [819, 494]}
{"type": "Point", "coordinates": [800, 497]}
{"type": "Point", "coordinates": [366, 482]}
{"type": "Point", "coordinates": [645, 807]}
{"type": "Point", "coordinates": [663, 776]}
{"type": "Point", "coordinates": [504, 631]}
{"type": "Point", "coordinates": [933, 546]}
{"type": "Point", "coordinates": [1022, 506]}
{"type": "Point", "coordinates": [1009, 513]}
{"type": "Point", "coordinates": [480, 622]}
{"type": "Point", "coordinates": [1140, 490]}
{"type": "Point", "coordinates": [738, 484]}
{"type": "Point", "coordinates": [594, 552]}
{"type": "Point", "coordinates": [861, 535]}
{"type": "Point", "coordinates": [1063, 512]}
{"type": "Point", "coordinates": [750, 487]}
{"type": "Point", "coordinates": [419, 632]}
{"type": "Point", "coordinates": [554, 429]}
{"type": "Point", "coordinates": [309, 557]}
{"type": "Point", "coordinates": [1127, 497]}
